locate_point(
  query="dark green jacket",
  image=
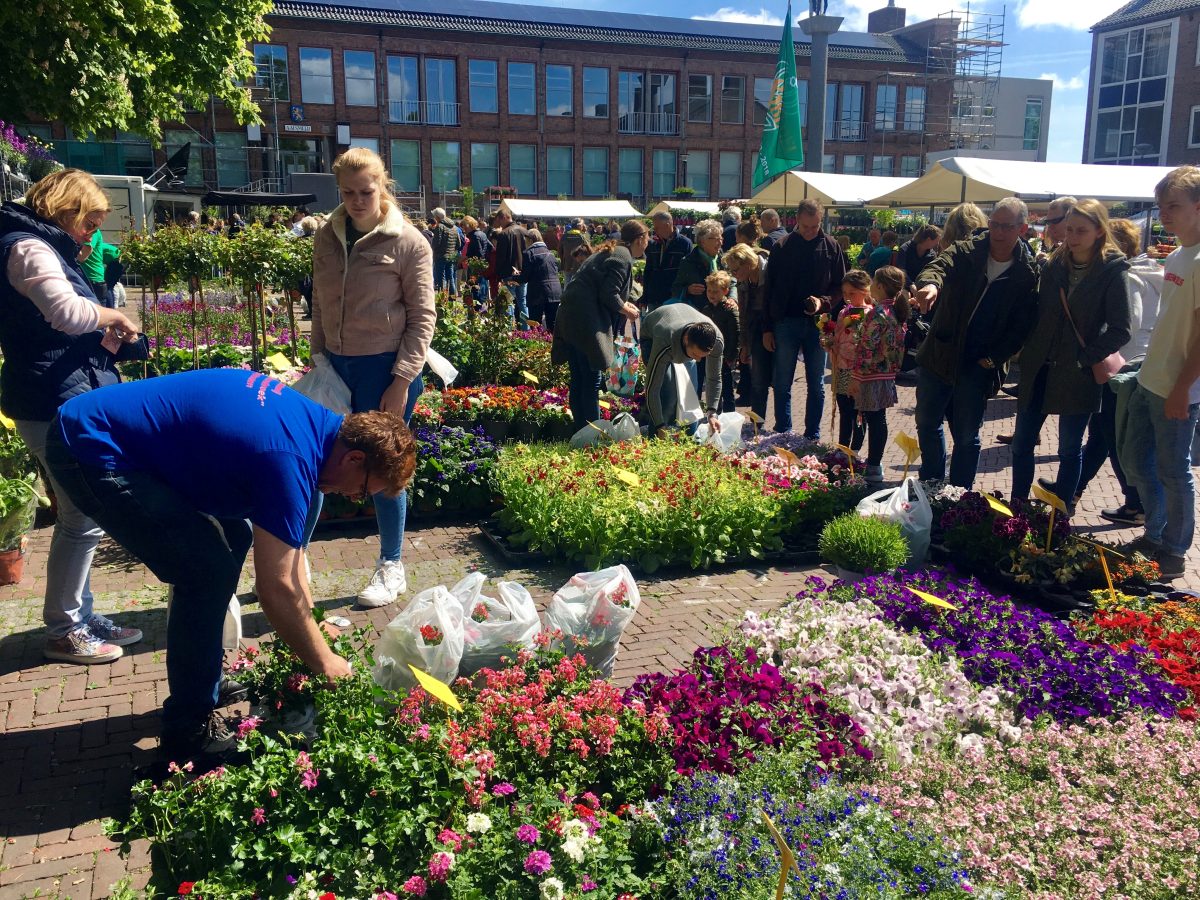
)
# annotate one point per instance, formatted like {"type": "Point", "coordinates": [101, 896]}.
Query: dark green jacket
{"type": "Point", "coordinates": [693, 269]}
{"type": "Point", "coordinates": [960, 274]}
{"type": "Point", "coordinates": [590, 303]}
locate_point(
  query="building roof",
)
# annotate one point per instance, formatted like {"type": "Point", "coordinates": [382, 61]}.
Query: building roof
{"type": "Point", "coordinates": [511, 19]}
{"type": "Point", "coordinates": [1145, 11]}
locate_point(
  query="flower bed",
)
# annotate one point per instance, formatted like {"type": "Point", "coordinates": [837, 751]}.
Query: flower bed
{"type": "Point", "coordinates": [522, 412]}
{"type": "Point", "coordinates": [453, 471]}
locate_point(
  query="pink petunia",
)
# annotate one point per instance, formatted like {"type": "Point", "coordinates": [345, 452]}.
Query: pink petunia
{"type": "Point", "coordinates": [415, 886]}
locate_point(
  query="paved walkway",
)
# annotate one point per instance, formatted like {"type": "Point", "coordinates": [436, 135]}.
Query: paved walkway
{"type": "Point", "coordinates": [70, 736]}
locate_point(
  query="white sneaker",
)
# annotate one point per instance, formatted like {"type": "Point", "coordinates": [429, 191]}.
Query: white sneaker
{"type": "Point", "coordinates": [388, 582]}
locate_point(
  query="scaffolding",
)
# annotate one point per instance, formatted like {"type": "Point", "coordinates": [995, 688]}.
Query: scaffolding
{"type": "Point", "coordinates": [967, 52]}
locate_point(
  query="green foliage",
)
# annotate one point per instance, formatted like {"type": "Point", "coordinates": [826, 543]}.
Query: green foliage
{"type": "Point", "coordinates": [15, 459]}
{"type": "Point", "coordinates": [19, 501]}
{"type": "Point", "coordinates": [863, 543]}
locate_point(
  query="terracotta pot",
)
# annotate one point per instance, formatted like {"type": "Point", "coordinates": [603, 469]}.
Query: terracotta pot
{"type": "Point", "coordinates": [12, 564]}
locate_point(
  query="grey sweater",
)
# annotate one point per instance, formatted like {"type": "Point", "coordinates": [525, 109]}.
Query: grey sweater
{"type": "Point", "coordinates": [662, 346]}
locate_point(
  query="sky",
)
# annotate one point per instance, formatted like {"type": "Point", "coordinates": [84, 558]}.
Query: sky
{"type": "Point", "coordinates": [1043, 38]}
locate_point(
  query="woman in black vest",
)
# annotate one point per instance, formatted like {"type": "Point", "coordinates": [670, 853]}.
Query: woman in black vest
{"type": "Point", "coordinates": [59, 341]}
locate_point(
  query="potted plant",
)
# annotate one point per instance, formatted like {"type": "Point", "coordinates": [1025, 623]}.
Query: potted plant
{"type": "Point", "coordinates": [857, 545]}
{"type": "Point", "coordinates": [19, 501]}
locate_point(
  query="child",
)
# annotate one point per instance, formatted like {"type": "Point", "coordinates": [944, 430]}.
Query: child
{"type": "Point", "coordinates": [878, 356]}
{"type": "Point", "coordinates": [723, 310]}
{"type": "Point", "coordinates": [842, 343]}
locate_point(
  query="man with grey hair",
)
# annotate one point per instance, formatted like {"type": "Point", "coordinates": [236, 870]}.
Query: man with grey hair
{"type": "Point", "coordinates": [1055, 226]}
{"type": "Point", "coordinates": [773, 230]}
{"type": "Point", "coordinates": [667, 249]}
{"type": "Point", "coordinates": [731, 218]}
{"type": "Point", "coordinates": [983, 293]}
{"type": "Point", "coordinates": [446, 245]}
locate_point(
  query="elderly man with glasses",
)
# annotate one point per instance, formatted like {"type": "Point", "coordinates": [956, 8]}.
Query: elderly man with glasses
{"type": "Point", "coordinates": [983, 295]}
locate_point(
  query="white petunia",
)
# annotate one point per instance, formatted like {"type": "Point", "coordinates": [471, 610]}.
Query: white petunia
{"type": "Point", "coordinates": [552, 889]}
{"type": "Point", "coordinates": [478, 823]}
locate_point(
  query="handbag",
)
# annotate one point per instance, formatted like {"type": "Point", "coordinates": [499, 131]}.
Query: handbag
{"type": "Point", "coordinates": [627, 365]}
{"type": "Point", "coordinates": [1109, 366]}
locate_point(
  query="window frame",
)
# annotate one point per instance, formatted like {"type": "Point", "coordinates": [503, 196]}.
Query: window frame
{"type": "Point", "coordinates": [594, 171]}
{"type": "Point", "coordinates": [654, 171]}
{"type": "Point", "coordinates": [513, 178]}
{"type": "Point", "coordinates": [769, 82]}
{"type": "Point", "coordinates": [624, 153]}
{"type": "Point", "coordinates": [306, 79]}
{"type": "Point", "coordinates": [556, 171]}
{"type": "Point", "coordinates": [532, 87]}
{"type": "Point", "coordinates": [705, 175]}
{"type": "Point", "coordinates": [570, 96]}
{"type": "Point", "coordinates": [473, 86]}
{"type": "Point", "coordinates": [909, 91]}
{"type": "Point", "coordinates": [401, 185]}
{"type": "Point", "coordinates": [475, 184]}
{"type": "Point", "coordinates": [287, 71]}
{"type": "Point", "coordinates": [706, 98]}
{"type": "Point", "coordinates": [1194, 127]}
{"type": "Point", "coordinates": [434, 166]}
{"type": "Point", "coordinates": [607, 92]}
{"type": "Point", "coordinates": [347, 79]}
{"type": "Point", "coordinates": [882, 110]}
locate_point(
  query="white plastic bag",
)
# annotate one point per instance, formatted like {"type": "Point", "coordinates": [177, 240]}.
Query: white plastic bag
{"type": "Point", "coordinates": [231, 629]}
{"type": "Point", "coordinates": [323, 385]}
{"type": "Point", "coordinates": [509, 619]}
{"type": "Point", "coordinates": [441, 367]}
{"type": "Point", "coordinates": [687, 401]}
{"type": "Point", "coordinates": [592, 610]}
{"type": "Point", "coordinates": [403, 643]}
{"type": "Point", "coordinates": [915, 515]}
{"type": "Point", "coordinates": [729, 438]}
{"type": "Point", "coordinates": [623, 427]}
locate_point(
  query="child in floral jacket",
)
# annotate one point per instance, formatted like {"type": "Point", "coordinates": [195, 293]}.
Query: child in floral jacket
{"type": "Point", "coordinates": [877, 358]}
{"type": "Point", "coordinates": [840, 339]}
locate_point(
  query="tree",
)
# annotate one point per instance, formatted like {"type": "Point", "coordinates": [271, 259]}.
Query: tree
{"type": "Point", "coordinates": [127, 64]}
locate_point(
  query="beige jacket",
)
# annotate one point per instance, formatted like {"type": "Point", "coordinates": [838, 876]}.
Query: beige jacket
{"type": "Point", "coordinates": [380, 300]}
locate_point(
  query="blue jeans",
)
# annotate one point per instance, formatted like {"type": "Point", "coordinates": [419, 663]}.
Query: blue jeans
{"type": "Point", "coordinates": [445, 273]}
{"type": "Point", "coordinates": [368, 377]}
{"type": "Point", "coordinates": [1071, 429]}
{"type": "Point", "coordinates": [795, 337]}
{"type": "Point", "coordinates": [966, 401]}
{"type": "Point", "coordinates": [584, 390]}
{"type": "Point", "coordinates": [481, 291]}
{"type": "Point", "coordinates": [200, 555]}
{"type": "Point", "coordinates": [1157, 455]}
{"type": "Point", "coordinates": [521, 305]}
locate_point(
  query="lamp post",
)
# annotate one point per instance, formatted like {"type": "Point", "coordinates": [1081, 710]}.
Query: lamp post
{"type": "Point", "coordinates": [818, 27]}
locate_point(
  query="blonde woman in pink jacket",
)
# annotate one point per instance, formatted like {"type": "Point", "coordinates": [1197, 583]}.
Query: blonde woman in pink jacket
{"type": "Point", "coordinates": [373, 316]}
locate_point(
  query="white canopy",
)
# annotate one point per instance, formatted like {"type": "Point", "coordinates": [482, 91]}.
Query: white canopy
{"type": "Point", "coordinates": [830, 189]}
{"type": "Point", "coordinates": [713, 209]}
{"type": "Point", "coordinates": [952, 181]}
{"type": "Point", "coordinates": [570, 209]}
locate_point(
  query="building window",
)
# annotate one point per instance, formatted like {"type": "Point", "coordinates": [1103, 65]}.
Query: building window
{"type": "Point", "coordinates": [831, 116]}
{"type": "Point", "coordinates": [595, 171]}
{"type": "Point", "coordinates": [559, 177]}
{"type": "Point", "coordinates": [232, 170]}
{"type": "Point", "coordinates": [1194, 128]}
{"type": "Point", "coordinates": [404, 90]}
{"type": "Point", "coordinates": [854, 164]}
{"type": "Point", "coordinates": [485, 166]}
{"type": "Point", "coordinates": [828, 163]}
{"type": "Point", "coordinates": [631, 172]}
{"type": "Point", "coordinates": [595, 93]}
{"type": "Point", "coordinates": [802, 97]}
{"type": "Point", "coordinates": [441, 95]}
{"type": "Point", "coordinates": [522, 168]}
{"type": "Point", "coordinates": [664, 173]}
{"type": "Point", "coordinates": [406, 166]}
{"type": "Point", "coordinates": [914, 109]}
{"type": "Point", "coordinates": [371, 144]}
{"type": "Point", "coordinates": [850, 116]}
{"type": "Point", "coordinates": [910, 167]}
{"type": "Point", "coordinates": [1134, 85]}
{"type": "Point", "coordinates": [522, 93]}
{"type": "Point", "coordinates": [271, 71]}
{"type": "Point", "coordinates": [882, 165]}
{"type": "Point", "coordinates": [316, 75]}
{"type": "Point", "coordinates": [646, 103]}
{"type": "Point", "coordinates": [885, 107]}
{"type": "Point", "coordinates": [482, 76]}
{"type": "Point", "coordinates": [699, 174]}
{"type": "Point", "coordinates": [733, 99]}
{"type": "Point", "coordinates": [559, 101]}
{"type": "Point", "coordinates": [1033, 123]}
{"type": "Point", "coordinates": [729, 178]}
{"type": "Point", "coordinates": [699, 98]}
{"type": "Point", "coordinates": [762, 97]}
{"type": "Point", "coordinates": [360, 77]}
{"type": "Point", "coordinates": [447, 172]}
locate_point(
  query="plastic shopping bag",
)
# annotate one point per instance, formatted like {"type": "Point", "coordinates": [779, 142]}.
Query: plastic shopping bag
{"type": "Point", "coordinates": [592, 610]}
{"type": "Point", "coordinates": [687, 400]}
{"type": "Point", "coordinates": [623, 427]}
{"type": "Point", "coordinates": [427, 634]}
{"type": "Point", "coordinates": [493, 625]}
{"type": "Point", "coordinates": [729, 438]}
{"type": "Point", "coordinates": [323, 385]}
{"type": "Point", "coordinates": [909, 505]}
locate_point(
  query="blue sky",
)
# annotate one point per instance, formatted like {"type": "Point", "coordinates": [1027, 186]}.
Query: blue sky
{"type": "Point", "coordinates": [1039, 44]}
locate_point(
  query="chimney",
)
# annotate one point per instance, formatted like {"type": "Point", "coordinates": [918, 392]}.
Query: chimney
{"type": "Point", "coordinates": [890, 18]}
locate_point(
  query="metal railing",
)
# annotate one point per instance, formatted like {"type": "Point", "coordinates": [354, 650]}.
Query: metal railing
{"type": "Point", "coordinates": [422, 112]}
{"type": "Point", "coordinates": [648, 123]}
{"type": "Point", "coordinates": [851, 131]}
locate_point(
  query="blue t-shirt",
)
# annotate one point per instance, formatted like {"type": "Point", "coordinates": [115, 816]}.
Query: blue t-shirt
{"type": "Point", "coordinates": [237, 444]}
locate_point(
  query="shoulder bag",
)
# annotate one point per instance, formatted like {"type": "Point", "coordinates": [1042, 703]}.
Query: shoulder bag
{"type": "Point", "coordinates": [1107, 367]}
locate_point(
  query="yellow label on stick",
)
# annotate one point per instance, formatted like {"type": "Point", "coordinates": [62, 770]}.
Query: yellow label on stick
{"type": "Point", "coordinates": [754, 417]}
{"type": "Point", "coordinates": [436, 688]}
{"type": "Point", "coordinates": [279, 362]}
{"type": "Point", "coordinates": [529, 376]}
{"type": "Point", "coordinates": [997, 505]}
{"type": "Point", "coordinates": [787, 859]}
{"type": "Point", "coordinates": [1112, 591]}
{"type": "Point", "coordinates": [1046, 497]}
{"type": "Point", "coordinates": [604, 404]}
{"type": "Point", "coordinates": [909, 445]}
{"type": "Point", "coordinates": [8, 423]}
{"type": "Point", "coordinates": [850, 454]}
{"type": "Point", "coordinates": [788, 457]}
{"type": "Point", "coordinates": [630, 478]}
{"type": "Point", "coordinates": [932, 600]}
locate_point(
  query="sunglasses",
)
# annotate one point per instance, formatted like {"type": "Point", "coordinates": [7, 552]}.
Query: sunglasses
{"type": "Point", "coordinates": [1055, 220]}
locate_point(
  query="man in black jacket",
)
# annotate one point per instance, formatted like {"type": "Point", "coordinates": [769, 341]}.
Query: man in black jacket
{"type": "Point", "coordinates": [985, 291]}
{"type": "Point", "coordinates": [773, 230]}
{"type": "Point", "coordinates": [510, 248]}
{"type": "Point", "coordinates": [666, 251]}
{"type": "Point", "coordinates": [804, 279]}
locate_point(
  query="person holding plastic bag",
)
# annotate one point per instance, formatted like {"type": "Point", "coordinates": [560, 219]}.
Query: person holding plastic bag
{"type": "Point", "coordinates": [723, 310]}
{"type": "Point", "coordinates": [674, 338]}
{"type": "Point", "coordinates": [373, 318]}
{"type": "Point", "coordinates": [592, 611]}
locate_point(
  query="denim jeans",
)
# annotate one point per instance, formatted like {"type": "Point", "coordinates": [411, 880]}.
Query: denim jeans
{"type": "Point", "coordinates": [520, 307]}
{"type": "Point", "coordinates": [762, 369]}
{"type": "Point", "coordinates": [584, 390]}
{"type": "Point", "coordinates": [1102, 445]}
{"type": "Point", "coordinates": [368, 377]}
{"type": "Point", "coordinates": [796, 337]}
{"type": "Point", "coordinates": [445, 272]}
{"type": "Point", "coordinates": [481, 290]}
{"type": "Point", "coordinates": [965, 400]}
{"type": "Point", "coordinates": [1071, 429]}
{"type": "Point", "coordinates": [68, 601]}
{"type": "Point", "coordinates": [200, 555]}
{"type": "Point", "coordinates": [1156, 452]}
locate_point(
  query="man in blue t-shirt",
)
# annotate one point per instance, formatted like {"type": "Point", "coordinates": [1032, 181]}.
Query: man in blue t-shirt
{"type": "Point", "coordinates": [184, 472]}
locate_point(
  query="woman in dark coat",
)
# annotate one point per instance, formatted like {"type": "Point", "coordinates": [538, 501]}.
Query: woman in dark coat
{"type": "Point", "coordinates": [1087, 275]}
{"type": "Point", "coordinates": [698, 265]}
{"type": "Point", "coordinates": [583, 337]}
{"type": "Point", "coordinates": [539, 270]}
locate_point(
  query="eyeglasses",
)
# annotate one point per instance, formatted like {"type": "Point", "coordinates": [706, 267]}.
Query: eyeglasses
{"type": "Point", "coordinates": [1055, 220]}
{"type": "Point", "coordinates": [363, 494]}
{"type": "Point", "coordinates": [1003, 226]}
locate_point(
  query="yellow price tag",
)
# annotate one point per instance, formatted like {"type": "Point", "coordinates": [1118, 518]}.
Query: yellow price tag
{"type": "Point", "coordinates": [279, 362]}
{"type": "Point", "coordinates": [1046, 497]}
{"type": "Point", "coordinates": [997, 505]}
{"type": "Point", "coordinates": [436, 688]}
{"type": "Point", "coordinates": [932, 600]}
{"type": "Point", "coordinates": [8, 423]}
{"type": "Point", "coordinates": [909, 445]}
{"type": "Point", "coordinates": [788, 456]}
{"type": "Point", "coordinates": [1109, 551]}
{"type": "Point", "coordinates": [850, 455]}
{"type": "Point", "coordinates": [630, 478]}
{"type": "Point", "coordinates": [604, 404]}
{"type": "Point", "coordinates": [1112, 591]}
{"type": "Point", "coordinates": [754, 417]}
{"type": "Point", "coordinates": [787, 858]}
{"type": "Point", "coordinates": [529, 376]}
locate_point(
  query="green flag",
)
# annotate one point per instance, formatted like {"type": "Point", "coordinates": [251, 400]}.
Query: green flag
{"type": "Point", "coordinates": [782, 145]}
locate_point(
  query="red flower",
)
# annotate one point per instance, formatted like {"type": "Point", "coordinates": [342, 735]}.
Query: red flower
{"type": "Point", "coordinates": [328, 895]}
{"type": "Point", "coordinates": [185, 887]}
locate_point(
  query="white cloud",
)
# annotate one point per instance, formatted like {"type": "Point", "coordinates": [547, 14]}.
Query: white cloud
{"type": "Point", "coordinates": [729, 14]}
{"type": "Point", "coordinates": [1078, 15]}
{"type": "Point", "coordinates": [1064, 143]}
{"type": "Point", "coordinates": [1074, 83]}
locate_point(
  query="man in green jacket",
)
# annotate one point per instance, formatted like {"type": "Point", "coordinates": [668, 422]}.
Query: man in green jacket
{"type": "Point", "coordinates": [99, 254]}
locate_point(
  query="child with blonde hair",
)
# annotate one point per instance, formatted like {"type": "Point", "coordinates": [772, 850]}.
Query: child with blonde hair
{"type": "Point", "coordinates": [723, 310]}
{"type": "Point", "coordinates": [840, 339]}
{"type": "Point", "coordinates": [877, 358]}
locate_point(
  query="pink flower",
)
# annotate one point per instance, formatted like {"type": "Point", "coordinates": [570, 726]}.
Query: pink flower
{"type": "Point", "coordinates": [538, 862]}
{"type": "Point", "coordinates": [260, 816]}
{"type": "Point", "coordinates": [588, 885]}
{"type": "Point", "coordinates": [386, 895]}
{"type": "Point", "coordinates": [414, 886]}
{"type": "Point", "coordinates": [440, 865]}
{"type": "Point", "coordinates": [503, 789]}
{"type": "Point", "coordinates": [247, 725]}
{"type": "Point", "coordinates": [308, 779]}
{"type": "Point", "coordinates": [528, 834]}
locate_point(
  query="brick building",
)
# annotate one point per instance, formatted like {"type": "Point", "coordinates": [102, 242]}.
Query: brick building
{"type": "Point", "coordinates": [548, 101]}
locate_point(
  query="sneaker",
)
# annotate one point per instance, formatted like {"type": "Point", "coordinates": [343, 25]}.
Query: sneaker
{"type": "Point", "coordinates": [1008, 439]}
{"type": "Point", "coordinates": [1170, 566]}
{"type": "Point", "coordinates": [209, 737]}
{"type": "Point", "coordinates": [230, 692]}
{"type": "Point", "coordinates": [112, 633]}
{"type": "Point", "coordinates": [1124, 515]}
{"type": "Point", "coordinates": [82, 647]}
{"type": "Point", "coordinates": [873, 474]}
{"type": "Point", "coordinates": [1142, 545]}
{"type": "Point", "coordinates": [388, 582]}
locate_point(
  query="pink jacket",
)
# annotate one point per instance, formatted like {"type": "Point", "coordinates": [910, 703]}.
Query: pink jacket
{"type": "Point", "coordinates": [379, 299]}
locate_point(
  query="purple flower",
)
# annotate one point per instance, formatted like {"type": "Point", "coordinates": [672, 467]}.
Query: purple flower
{"type": "Point", "coordinates": [528, 834]}
{"type": "Point", "coordinates": [538, 862]}
{"type": "Point", "coordinates": [503, 789]}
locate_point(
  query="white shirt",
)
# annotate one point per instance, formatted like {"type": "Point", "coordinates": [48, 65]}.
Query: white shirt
{"type": "Point", "coordinates": [995, 268]}
{"type": "Point", "coordinates": [1172, 335]}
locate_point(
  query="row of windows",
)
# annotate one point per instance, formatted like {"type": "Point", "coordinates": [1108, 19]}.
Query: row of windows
{"type": "Point", "coordinates": [1131, 96]}
{"type": "Point", "coordinates": [432, 81]}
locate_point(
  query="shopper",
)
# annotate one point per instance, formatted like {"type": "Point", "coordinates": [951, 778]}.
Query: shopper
{"type": "Point", "coordinates": [510, 248]}
{"type": "Point", "coordinates": [478, 247]}
{"type": "Point", "coordinates": [918, 252]}
{"type": "Point", "coordinates": [877, 359]}
{"type": "Point", "coordinates": [539, 274]}
{"type": "Point", "coordinates": [840, 337]}
{"type": "Point", "coordinates": [773, 229]}
{"type": "Point", "coordinates": [874, 242]}
{"type": "Point", "coordinates": [723, 310]}
{"type": "Point", "coordinates": [446, 250]}
{"type": "Point", "coordinates": [884, 254]}
{"type": "Point", "coordinates": [749, 267]}
{"type": "Point", "coordinates": [666, 252]}
{"type": "Point", "coordinates": [678, 334]}
{"type": "Point", "coordinates": [731, 218]}
{"type": "Point", "coordinates": [688, 286]}
{"type": "Point", "coordinates": [964, 222]}
{"type": "Point", "coordinates": [749, 232]}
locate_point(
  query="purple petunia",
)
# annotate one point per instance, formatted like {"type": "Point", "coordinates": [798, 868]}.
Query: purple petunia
{"type": "Point", "coordinates": [528, 834]}
{"type": "Point", "coordinates": [538, 862]}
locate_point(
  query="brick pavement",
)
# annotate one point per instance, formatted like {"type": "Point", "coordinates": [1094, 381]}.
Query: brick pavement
{"type": "Point", "coordinates": [70, 736]}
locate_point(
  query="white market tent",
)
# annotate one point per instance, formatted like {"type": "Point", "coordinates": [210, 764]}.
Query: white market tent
{"type": "Point", "coordinates": [570, 209]}
{"type": "Point", "coordinates": [954, 180]}
{"type": "Point", "coordinates": [830, 189]}
{"type": "Point", "coordinates": [713, 209]}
